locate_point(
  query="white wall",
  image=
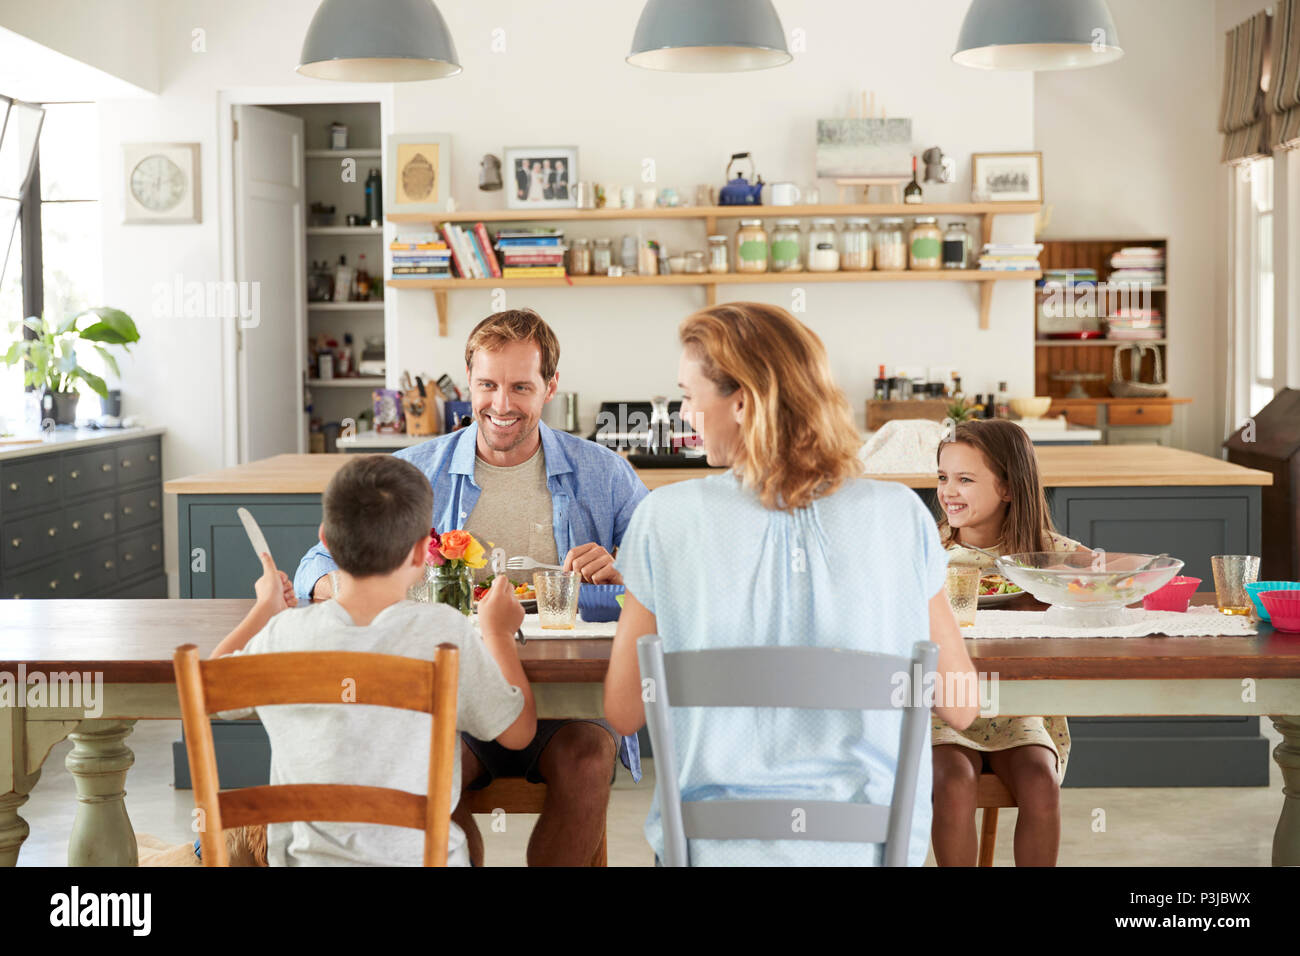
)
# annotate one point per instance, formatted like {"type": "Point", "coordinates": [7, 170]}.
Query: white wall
{"type": "Point", "coordinates": [1130, 150]}
{"type": "Point", "coordinates": [119, 37]}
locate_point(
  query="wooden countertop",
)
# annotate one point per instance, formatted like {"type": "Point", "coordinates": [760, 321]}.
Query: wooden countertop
{"type": "Point", "coordinates": [1062, 466]}
{"type": "Point", "coordinates": [132, 641]}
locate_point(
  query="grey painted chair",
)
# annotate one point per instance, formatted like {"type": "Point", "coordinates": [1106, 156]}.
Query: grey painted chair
{"type": "Point", "coordinates": [811, 677]}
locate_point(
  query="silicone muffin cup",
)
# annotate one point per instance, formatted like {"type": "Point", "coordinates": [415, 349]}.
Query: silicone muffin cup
{"type": "Point", "coordinates": [1174, 596]}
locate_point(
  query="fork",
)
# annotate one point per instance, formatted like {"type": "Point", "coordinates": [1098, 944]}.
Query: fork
{"type": "Point", "coordinates": [524, 563]}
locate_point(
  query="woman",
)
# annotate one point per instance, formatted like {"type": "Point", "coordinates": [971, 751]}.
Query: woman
{"type": "Point", "coordinates": [788, 547]}
{"type": "Point", "coordinates": [537, 183]}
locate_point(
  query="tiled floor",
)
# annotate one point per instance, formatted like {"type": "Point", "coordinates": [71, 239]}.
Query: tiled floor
{"type": "Point", "coordinates": [1142, 827]}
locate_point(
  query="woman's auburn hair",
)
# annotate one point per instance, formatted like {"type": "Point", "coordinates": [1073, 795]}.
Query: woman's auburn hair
{"type": "Point", "coordinates": [1009, 454]}
{"type": "Point", "coordinates": [797, 437]}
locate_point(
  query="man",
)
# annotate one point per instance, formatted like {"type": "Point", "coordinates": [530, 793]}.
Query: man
{"type": "Point", "coordinates": [510, 480]}
{"type": "Point", "coordinates": [523, 177]}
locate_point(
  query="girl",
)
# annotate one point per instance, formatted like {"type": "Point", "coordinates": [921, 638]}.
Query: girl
{"type": "Point", "coordinates": [990, 497]}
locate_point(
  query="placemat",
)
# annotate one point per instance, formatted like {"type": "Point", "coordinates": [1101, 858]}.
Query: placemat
{"type": "Point", "coordinates": [532, 629]}
{"type": "Point", "coordinates": [1199, 621]}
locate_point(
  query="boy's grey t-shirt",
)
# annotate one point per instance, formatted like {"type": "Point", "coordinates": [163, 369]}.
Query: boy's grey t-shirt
{"type": "Point", "coordinates": [366, 745]}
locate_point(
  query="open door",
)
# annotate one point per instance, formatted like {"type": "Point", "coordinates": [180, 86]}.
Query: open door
{"type": "Point", "coordinates": [270, 246]}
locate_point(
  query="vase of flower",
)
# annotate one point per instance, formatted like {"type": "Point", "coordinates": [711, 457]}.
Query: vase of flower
{"type": "Point", "coordinates": [449, 568]}
{"type": "Point", "coordinates": [452, 585]}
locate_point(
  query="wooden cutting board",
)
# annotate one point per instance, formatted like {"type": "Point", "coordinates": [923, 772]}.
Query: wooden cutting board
{"type": "Point", "coordinates": [879, 412]}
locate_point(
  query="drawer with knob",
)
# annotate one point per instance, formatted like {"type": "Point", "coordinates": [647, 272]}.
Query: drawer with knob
{"type": "Point", "coordinates": [89, 471]}
{"type": "Point", "coordinates": [98, 566]}
{"type": "Point", "coordinates": [139, 552]}
{"type": "Point", "coordinates": [88, 521]}
{"type": "Point", "coordinates": [138, 508]}
{"type": "Point", "coordinates": [29, 539]}
{"type": "Point", "coordinates": [47, 581]}
{"type": "Point", "coordinates": [138, 461]}
{"type": "Point", "coordinates": [28, 483]}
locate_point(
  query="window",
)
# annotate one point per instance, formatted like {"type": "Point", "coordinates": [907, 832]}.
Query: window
{"type": "Point", "coordinates": [1259, 325]}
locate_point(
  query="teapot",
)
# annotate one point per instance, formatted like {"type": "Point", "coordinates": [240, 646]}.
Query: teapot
{"type": "Point", "coordinates": [738, 191]}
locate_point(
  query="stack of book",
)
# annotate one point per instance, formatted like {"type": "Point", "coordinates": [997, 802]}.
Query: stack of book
{"type": "Point", "coordinates": [1010, 256]}
{"type": "Point", "coordinates": [1068, 277]}
{"type": "Point", "coordinates": [419, 256]}
{"type": "Point", "coordinates": [1135, 324]}
{"type": "Point", "coordinates": [1138, 264]}
{"type": "Point", "coordinates": [471, 251]}
{"type": "Point", "coordinates": [534, 253]}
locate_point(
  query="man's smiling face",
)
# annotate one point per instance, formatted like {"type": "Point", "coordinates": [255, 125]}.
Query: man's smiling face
{"type": "Point", "coordinates": [507, 393]}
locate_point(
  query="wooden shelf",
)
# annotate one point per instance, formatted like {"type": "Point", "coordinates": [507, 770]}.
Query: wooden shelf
{"type": "Point", "coordinates": [365, 382]}
{"type": "Point", "coordinates": [368, 153]}
{"type": "Point", "coordinates": [377, 304]}
{"type": "Point", "coordinates": [345, 230]}
{"type": "Point", "coordinates": [1077, 343]}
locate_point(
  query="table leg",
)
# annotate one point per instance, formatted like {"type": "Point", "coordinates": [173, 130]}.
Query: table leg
{"type": "Point", "coordinates": [1286, 838]}
{"type": "Point", "coordinates": [101, 832]}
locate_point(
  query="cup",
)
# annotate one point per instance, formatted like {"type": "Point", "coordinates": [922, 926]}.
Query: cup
{"type": "Point", "coordinates": [586, 195]}
{"type": "Point", "coordinates": [627, 194]}
{"type": "Point", "coordinates": [648, 197]}
{"type": "Point", "coordinates": [785, 194]}
{"type": "Point", "coordinates": [1232, 572]}
{"type": "Point", "coordinates": [963, 587]}
{"type": "Point", "coordinates": [704, 195]}
{"type": "Point", "coordinates": [557, 598]}
{"type": "Point", "coordinates": [812, 196]}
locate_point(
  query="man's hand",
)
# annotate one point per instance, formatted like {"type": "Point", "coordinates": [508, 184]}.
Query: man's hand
{"type": "Point", "coordinates": [499, 612]}
{"type": "Point", "coordinates": [323, 589]}
{"type": "Point", "coordinates": [594, 563]}
{"type": "Point", "coordinates": [274, 589]}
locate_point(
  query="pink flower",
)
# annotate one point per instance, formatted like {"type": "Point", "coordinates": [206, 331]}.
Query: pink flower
{"type": "Point", "coordinates": [435, 556]}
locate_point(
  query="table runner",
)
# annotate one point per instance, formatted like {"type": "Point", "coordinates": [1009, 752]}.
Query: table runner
{"type": "Point", "coordinates": [1199, 621]}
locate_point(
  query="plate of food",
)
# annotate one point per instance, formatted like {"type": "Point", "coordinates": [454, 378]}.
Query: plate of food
{"type": "Point", "coordinates": [996, 589]}
{"type": "Point", "coordinates": [525, 591]}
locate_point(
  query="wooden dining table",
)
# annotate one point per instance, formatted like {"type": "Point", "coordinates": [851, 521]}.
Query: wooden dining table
{"type": "Point", "coordinates": [129, 645]}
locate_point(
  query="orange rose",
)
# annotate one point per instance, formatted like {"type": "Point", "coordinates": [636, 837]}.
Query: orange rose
{"type": "Point", "coordinates": [454, 544]}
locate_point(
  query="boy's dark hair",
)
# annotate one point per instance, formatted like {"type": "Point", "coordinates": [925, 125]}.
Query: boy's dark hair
{"type": "Point", "coordinates": [376, 508]}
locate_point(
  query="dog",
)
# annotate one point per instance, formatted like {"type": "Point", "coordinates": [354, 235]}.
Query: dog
{"type": "Point", "coordinates": [245, 846]}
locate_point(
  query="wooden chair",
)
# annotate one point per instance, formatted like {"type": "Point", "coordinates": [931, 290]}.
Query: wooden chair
{"type": "Point", "coordinates": [990, 794]}
{"type": "Point", "coordinates": [517, 795]}
{"type": "Point", "coordinates": [234, 683]}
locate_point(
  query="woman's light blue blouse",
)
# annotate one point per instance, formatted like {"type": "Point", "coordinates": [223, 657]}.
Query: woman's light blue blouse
{"type": "Point", "coordinates": [853, 570]}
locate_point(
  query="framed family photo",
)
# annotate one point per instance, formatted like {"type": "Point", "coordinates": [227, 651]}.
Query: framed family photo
{"type": "Point", "coordinates": [540, 177]}
{"type": "Point", "coordinates": [417, 173]}
{"type": "Point", "coordinates": [1006, 177]}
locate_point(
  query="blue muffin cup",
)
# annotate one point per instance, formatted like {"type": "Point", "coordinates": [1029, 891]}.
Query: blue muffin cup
{"type": "Point", "coordinates": [1255, 588]}
{"type": "Point", "coordinates": [598, 603]}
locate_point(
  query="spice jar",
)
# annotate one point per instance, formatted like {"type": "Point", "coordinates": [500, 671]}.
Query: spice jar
{"type": "Point", "coordinates": [823, 256]}
{"type": "Point", "coordinates": [891, 246]}
{"type": "Point", "coordinates": [695, 263]}
{"type": "Point", "coordinates": [602, 257]}
{"type": "Point", "coordinates": [855, 246]}
{"type": "Point", "coordinates": [785, 247]}
{"type": "Point", "coordinates": [580, 257]}
{"type": "Point", "coordinates": [751, 246]}
{"type": "Point", "coordinates": [719, 260]}
{"type": "Point", "coordinates": [956, 245]}
{"type": "Point", "coordinates": [925, 250]}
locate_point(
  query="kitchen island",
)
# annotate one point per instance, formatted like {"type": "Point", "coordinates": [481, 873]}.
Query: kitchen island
{"type": "Point", "coordinates": [1143, 498]}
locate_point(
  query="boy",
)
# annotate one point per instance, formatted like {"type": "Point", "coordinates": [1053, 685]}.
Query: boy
{"type": "Point", "coordinates": [376, 525]}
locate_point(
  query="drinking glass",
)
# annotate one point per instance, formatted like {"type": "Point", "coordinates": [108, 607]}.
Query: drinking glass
{"type": "Point", "coordinates": [557, 598]}
{"type": "Point", "coordinates": [1232, 572]}
{"type": "Point", "coordinates": [963, 587]}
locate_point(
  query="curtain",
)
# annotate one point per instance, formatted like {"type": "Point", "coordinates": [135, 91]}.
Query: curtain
{"type": "Point", "coordinates": [1284, 81]}
{"type": "Point", "coordinates": [1242, 118]}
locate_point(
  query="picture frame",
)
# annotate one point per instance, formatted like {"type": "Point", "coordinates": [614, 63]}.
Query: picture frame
{"type": "Point", "coordinates": [553, 185]}
{"type": "Point", "coordinates": [1007, 177]}
{"type": "Point", "coordinates": [160, 184]}
{"type": "Point", "coordinates": [417, 173]}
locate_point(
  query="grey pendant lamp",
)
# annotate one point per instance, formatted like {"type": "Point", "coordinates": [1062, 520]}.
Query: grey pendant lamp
{"type": "Point", "coordinates": [378, 41]}
{"type": "Point", "coordinates": [708, 36]}
{"type": "Point", "coordinates": [1037, 35]}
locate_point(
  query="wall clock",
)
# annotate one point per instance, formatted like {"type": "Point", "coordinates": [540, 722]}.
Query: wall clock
{"type": "Point", "coordinates": [161, 183]}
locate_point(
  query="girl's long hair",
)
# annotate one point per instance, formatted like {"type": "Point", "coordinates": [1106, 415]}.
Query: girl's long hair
{"type": "Point", "coordinates": [1010, 456]}
{"type": "Point", "coordinates": [797, 440]}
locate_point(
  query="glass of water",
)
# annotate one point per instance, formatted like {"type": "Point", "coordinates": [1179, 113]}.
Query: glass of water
{"type": "Point", "coordinates": [963, 587]}
{"type": "Point", "coordinates": [1232, 572]}
{"type": "Point", "coordinates": [557, 598]}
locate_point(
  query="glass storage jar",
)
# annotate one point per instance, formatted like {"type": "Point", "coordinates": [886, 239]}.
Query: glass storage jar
{"type": "Point", "coordinates": [580, 257]}
{"type": "Point", "coordinates": [823, 254]}
{"type": "Point", "coordinates": [695, 263]}
{"type": "Point", "coordinates": [719, 257]}
{"type": "Point", "coordinates": [925, 250]}
{"type": "Point", "coordinates": [956, 245]}
{"type": "Point", "coordinates": [891, 246]}
{"type": "Point", "coordinates": [855, 246]}
{"type": "Point", "coordinates": [785, 247]}
{"type": "Point", "coordinates": [602, 257]}
{"type": "Point", "coordinates": [751, 246]}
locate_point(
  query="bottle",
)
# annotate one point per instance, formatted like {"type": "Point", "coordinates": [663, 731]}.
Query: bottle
{"type": "Point", "coordinates": [363, 279]}
{"type": "Point", "coordinates": [989, 408]}
{"type": "Point", "coordinates": [1003, 407]}
{"type": "Point", "coordinates": [374, 199]}
{"type": "Point", "coordinates": [881, 385]}
{"type": "Point", "coordinates": [956, 387]}
{"type": "Point", "coordinates": [912, 192]}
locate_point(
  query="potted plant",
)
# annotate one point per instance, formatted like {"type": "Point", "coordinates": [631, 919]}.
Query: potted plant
{"type": "Point", "coordinates": [50, 359]}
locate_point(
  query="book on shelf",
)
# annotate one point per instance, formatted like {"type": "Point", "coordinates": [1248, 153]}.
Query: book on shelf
{"type": "Point", "coordinates": [535, 272]}
{"type": "Point", "coordinates": [481, 233]}
{"type": "Point", "coordinates": [421, 272]}
{"type": "Point", "coordinates": [547, 259]}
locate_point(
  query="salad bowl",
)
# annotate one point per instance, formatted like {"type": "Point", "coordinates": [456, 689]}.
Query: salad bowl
{"type": "Point", "coordinates": [1088, 589]}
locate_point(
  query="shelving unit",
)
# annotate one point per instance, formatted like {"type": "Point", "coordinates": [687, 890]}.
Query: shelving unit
{"type": "Point", "coordinates": [710, 215]}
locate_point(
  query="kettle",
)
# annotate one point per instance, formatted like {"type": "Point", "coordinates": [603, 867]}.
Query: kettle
{"type": "Point", "coordinates": [738, 191]}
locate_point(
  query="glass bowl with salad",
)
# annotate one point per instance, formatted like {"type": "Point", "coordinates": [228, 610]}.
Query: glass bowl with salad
{"type": "Point", "coordinates": [1087, 589]}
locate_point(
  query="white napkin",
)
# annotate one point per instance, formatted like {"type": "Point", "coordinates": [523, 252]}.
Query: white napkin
{"type": "Point", "coordinates": [532, 629]}
{"type": "Point", "coordinates": [1203, 620]}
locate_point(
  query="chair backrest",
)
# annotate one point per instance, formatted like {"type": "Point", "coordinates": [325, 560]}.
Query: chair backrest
{"type": "Point", "coordinates": [326, 677]}
{"type": "Point", "coordinates": [807, 677]}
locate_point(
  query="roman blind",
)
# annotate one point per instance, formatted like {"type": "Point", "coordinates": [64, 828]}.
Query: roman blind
{"type": "Point", "coordinates": [1283, 97]}
{"type": "Point", "coordinates": [1243, 120]}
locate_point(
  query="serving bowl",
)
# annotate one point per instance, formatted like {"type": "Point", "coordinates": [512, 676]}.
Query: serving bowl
{"type": "Point", "coordinates": [1255, 587]}
{"type": "Point", "coordinates": [1087, 589]}
{"type": "Point", "coordinates": [1029, 408]}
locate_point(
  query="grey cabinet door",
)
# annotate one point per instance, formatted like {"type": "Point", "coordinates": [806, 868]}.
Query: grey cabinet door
{"type": "Point", "coordinates": [220, 562]}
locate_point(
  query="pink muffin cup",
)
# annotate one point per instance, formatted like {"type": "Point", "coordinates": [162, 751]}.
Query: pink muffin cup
{"type": "Point", "coordinates": [1283, 609]}
{"type": "Point", "coordinates": [1174, 596]}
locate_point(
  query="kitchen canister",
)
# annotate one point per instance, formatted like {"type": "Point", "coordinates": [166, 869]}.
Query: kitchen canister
{"type": "Point", "coordinates": [891, 246]}
{"type": "Point", "coordinates": [751, 246]}
{"type": "Point", "coordinates": [925, 249]}
{"type": "Point", "coordinates": [785, 247]}
{"type": "Point", "coordinates": [823, 255]}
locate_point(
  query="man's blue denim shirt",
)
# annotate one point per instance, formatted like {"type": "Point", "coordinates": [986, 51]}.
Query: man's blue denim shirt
{"type": "Point", "coordinates": [593, 494]}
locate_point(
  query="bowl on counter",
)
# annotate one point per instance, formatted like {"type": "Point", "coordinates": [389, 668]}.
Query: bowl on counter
{"type": "Point", "coordinates": [1283, 608]}
{"type": "Point", "coordinates": [1087, 590]}
{"type": "Point", "coordinates": [1174, 596]}
{"type": "Point", "coordinates": [1031, 408]}
{"type": "Point", "coordinates": [1255, 587]}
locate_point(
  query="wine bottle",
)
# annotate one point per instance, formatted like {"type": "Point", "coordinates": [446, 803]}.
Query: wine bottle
{"type": "Point", "coordinates": [912, 193]}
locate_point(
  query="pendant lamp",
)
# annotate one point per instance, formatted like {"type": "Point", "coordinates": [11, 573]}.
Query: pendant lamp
{"type": "Point", "coordinates": [378, 41]}
{"type": "Point", "coordinates": [1037, 35]}
{"type": "Point", "coordinates": [708, 36]}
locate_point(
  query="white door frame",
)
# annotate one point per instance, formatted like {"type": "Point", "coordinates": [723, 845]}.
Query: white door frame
{"type": "Point", "coordinates": [322, 92]}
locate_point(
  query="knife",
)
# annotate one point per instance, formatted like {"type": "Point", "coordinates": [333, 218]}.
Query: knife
{"type": "Point", "coordinates": [255, 536]}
